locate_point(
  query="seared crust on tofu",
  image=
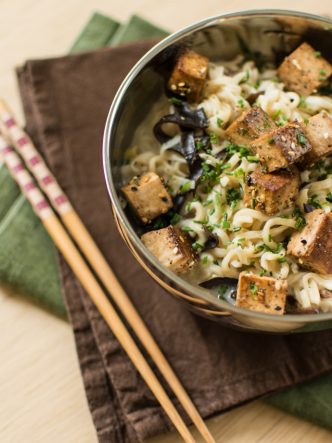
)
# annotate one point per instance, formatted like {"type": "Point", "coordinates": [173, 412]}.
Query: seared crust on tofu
{"type": "Point", "coordinates": [282, 147]}
{"type": "Point", "coordinates": [304, 70]}
{"type": "Point", "coordinates": [172, 248]}
{"type": "Point", "coordinates": [147, 196]}
{"type": "Point", "coordinates": [262, 294]}
{"type": "Point", "coordinates": [319, 133]}
{"type": "Point", "coordinates": [189, 75]}
{"type": "Point", "coordinates": [313, 245]}
{"type": "Point", "coordinates": [250, 125]}
{"type": "Point", "coordinates": [271, 192]}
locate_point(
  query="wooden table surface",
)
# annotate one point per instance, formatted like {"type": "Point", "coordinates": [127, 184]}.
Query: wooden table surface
{"type": "Point", "coordinates": [41, 392]}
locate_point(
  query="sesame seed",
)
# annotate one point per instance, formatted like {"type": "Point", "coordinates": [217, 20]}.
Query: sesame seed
{"type": "Point", "coordinates": [296, 63]}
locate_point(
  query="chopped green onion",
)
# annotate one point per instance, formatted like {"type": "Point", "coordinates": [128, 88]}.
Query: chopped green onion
{"type": "Point", "coordinates": [301, 139]}
{"type": "Point", "coordinates": [253, 288]}
{"type": "Point", "coordinates": [222, 290]}
{"type": "Point", "coordinates": [197, 246]}
{"type": "Point", "coordinates": [213, 138]}
{"type": "Point", "coordinates": [175, 101]}
{"type": "Point", "coordinates": [185, 187]}
{"type": "Point", "coordinates": [253, 159]}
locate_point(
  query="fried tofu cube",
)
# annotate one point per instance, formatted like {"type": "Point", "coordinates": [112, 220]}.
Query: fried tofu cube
{"type": "Point", "coordinates": [282, 147]}
{"type": "Point", "coordinates": [250, 125]}
{"type": "Point", "coordinates": [147, 196]}
{"type": "Point", "coordinates": [189, 75]}
{"type": "Point", "coordinates": [262, 294]}
{"type": "Point", "coordinates": [172, 248]}
{"type": "Point", "coordinates": [313, 245]}
{"type": "Point", "coordinates": [271, 192]}
{"type": "Point", "coordinates": [304, 70]}
{"type": "Point", "coordinates": [319, 133]}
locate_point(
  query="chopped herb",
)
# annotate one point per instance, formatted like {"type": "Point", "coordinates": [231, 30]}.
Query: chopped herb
{"type": "Point", "coordinates": [175, 219]}
{"type": "Point", "coordinates": [329, 197]}
{"type": "Point", "coordinates": [279, 118]}
{"type": "Point", "coordinates": [185, 187]}
{"type": "Point", "coordinates": [205, 260]}
{"type": "Point", "coordinates": [159, 223]}
{"type": "Point", "coordinates": [241, 103]}
{"type": "Point", "coordinates": [198, 145]}
{"type": "Point", "coordinates": [322, 75]}
{"type": "Point", "coordinates": [226, 224]}
{"type": "Point", "coordinates": [175, 101]}
{"type": "Point", "coordinates": [225, 166]}
{"type": "Point", "coordinates": [301, 138]}
{"type": "Point", "coordinates": [232, 148]}
{"type": "Point", "coordinates": [276, 114]}
{"type": "Point", "coordinates": [270, 141]}
{"type": "Point", "coordinates": [303, 102]}
{"type": "Point", "coordinates": [312, 201]}
{"type": "Point", "coordinates": [207, 203]}
{"type": "Point", "coordinates": [213, 138]}
{"type": "Point", "coordinates": [282, 259]}
{"type": "Point", "coordinates": [222, 290]}
{"type": "Point", "coordinates": [262, 272]}
{"type": "Point", "coordinates": [188, 207]}
{"type": "Point", "coordinates": [317, 54]}
{"type": "Point", "coordinates": [236, 228]}
{"type": "Point", "coordinates": [220, 121]}
{"type": "Point", "coordinates": [264, 247]}
{"type": "Point", "coordinates": [253, 203]}
{"type": "Point", "coordinates": [201, 222]}
{"type": "Point", "coordinates": [212, 211]}
{"type": "Point", "coordinates": [257, 84]}
{"type": "Point", "coordinates": [246, 77]}
{"type": "Point", "coordinates": [233, 195]}
{"type": "Point", "coordinates": [253, 159]}
{"type": "Point", "coordinates": [197, 246]}
{"type": "Point", "coordinates": [306, 121]}
{"type": "Point", "coordinates": [299, 219]}
{"type": "Point", "coordinates": [282, 121]}
{"type": "Point", "coordinates": [319, 165]}
{"type": "Point", "coordinates": [187, 229]}
{"type": "Point", "coordinates": [215, 262]}
{"type": "Point", "coordinates": [253, 288]}
{"type": "Point", "coordinates": [217, 199]}
{"type": "Point", "coordinates": [239, 172]}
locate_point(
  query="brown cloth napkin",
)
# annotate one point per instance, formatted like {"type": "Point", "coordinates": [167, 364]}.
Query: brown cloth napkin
{"type": "Point", "coordinates": [66, 101]}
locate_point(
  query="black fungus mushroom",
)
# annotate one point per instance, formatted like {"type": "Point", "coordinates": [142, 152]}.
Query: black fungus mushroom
{"type": "Point", "coordinates": [184, 117]}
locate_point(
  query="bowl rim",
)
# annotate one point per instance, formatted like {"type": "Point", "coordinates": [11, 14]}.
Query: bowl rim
{"type": "Point", "coordinates": [197, 291]}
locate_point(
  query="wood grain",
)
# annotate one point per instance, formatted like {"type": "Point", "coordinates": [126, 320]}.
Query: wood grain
{"type": "Point", "coordinates": [41, 392]}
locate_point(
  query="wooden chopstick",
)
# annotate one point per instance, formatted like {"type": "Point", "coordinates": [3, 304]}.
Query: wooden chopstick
{"type": "Point", "coordinates": [89, 282]}
{"type": "Point", "coordinates": [75, 226]}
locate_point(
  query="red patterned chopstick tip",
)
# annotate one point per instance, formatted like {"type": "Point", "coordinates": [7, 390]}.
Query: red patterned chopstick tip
{"type": "Point", "coordinates": [22, 141]}
{"type": "Point", "coordinates": [34, 160]}
{"type": "Point", "coordinates": [23, 178]}
{"type": "Point", "coordinates": [18, 168]}
{"type": "Point", "coordinates": [47, 180]}
{"type": "Point", "coordinates": [61, 200]}
{"type": "Point", "coordinates": [29, 186]}
{"type": "Point", "coordinates": [7, 149]}
{"type": "Point", "coordinates": [42, 204]}
{"type": "Point", "coordinates": [10, 122]}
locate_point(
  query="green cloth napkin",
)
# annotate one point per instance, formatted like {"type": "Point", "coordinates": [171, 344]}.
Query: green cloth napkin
{"type": "Point", "coordinates": [27, 254]}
